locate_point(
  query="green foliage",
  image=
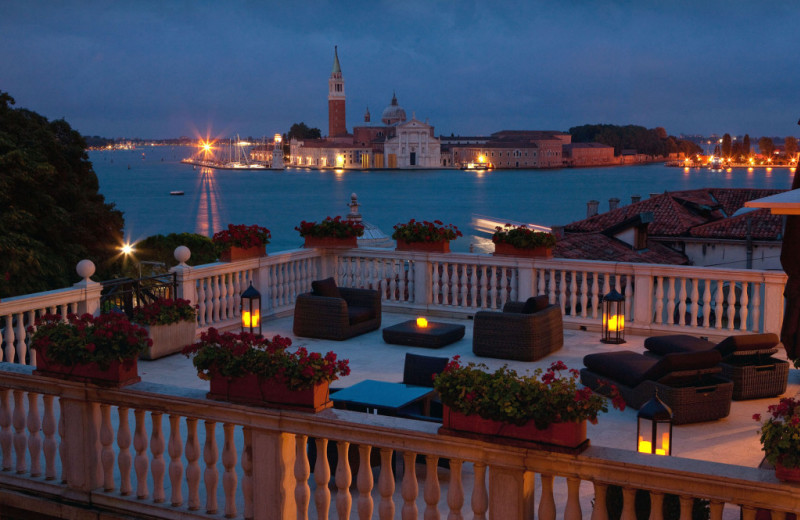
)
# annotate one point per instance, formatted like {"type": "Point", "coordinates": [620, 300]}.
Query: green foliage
{"type": "Point", "coordinates": [335, 227]}
{"type": "Point", "coordinates": [302, 131]}
{"type": "Point", "coordinates": [671, 509]}
{"type": "Point", "coordinates": [424, 231]}
{"type": "Point", "coordinates": [780, 433]}
{"type": "Point", "coordinates": [746, 145]}
{"type": "Point", "coordinates": [522, 237]}
{"type": "Point", "coordinates": [164, 311]}
{"type": "Point", "coordinates": [51, 212]}
{"type": "Point", "coordinates": [726, 145]}
{"type": "Point", "coordinates": [790, 146]}
{"type": "Point", "coordinates": [766, 146]}
{"type": "Point", "coordinates": [161, 248]}
{"type": "Point", "coordinates": [653, 141]}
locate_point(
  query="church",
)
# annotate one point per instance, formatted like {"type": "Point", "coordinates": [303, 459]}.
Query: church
{"type": "Point", "coordinates": [396, 143]}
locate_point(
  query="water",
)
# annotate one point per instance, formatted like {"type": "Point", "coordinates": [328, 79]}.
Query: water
{"type": "Point", "coordinates": [279, 200]}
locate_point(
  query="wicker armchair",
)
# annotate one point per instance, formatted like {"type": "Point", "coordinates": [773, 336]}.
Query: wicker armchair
{"type": "Point", "coordinates": [514, 334]}
{"type": "Point", "coordinates": [354, 312]}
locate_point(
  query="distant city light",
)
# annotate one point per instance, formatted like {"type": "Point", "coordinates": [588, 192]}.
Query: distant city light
{"type": "Point", "coordinates": [127, 248]}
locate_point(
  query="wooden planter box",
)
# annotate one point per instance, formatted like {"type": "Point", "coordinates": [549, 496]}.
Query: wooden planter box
{"type": "Point", "coordinates": [331, 242]}
{"type": "Point", "coordinates": [569, 437]}
{"type": "Point", "coordinates": [787, 474]}
{"type": "Point", "coordinates": [169, 339]}
{"type": "Point", "coordinates": [506, 249]}
{"type": "Point", "coordinates": [427, 247]}
{"type": "Point", "coordinates": [269, 393]}
{"type": "Point", "coordinates": [242, 253]}
{"type": "Point", "coordinates": [118, 374]}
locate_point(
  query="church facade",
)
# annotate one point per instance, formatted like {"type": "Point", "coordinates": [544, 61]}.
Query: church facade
{"type": "Point", "coordinates": [395, 143]}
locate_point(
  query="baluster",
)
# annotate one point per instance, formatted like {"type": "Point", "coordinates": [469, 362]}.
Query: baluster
{"type": "Point", "coordinates": [229, 477]}
{"type": "Point", "coordinates": [484, 285]}
{"type": "Point", "coordinates": [686, 507]}
{"type": "Point", "coordinates": [9, 339]}
{"type": "Point", "coordinates": [595, 296]}
{"type": "Point", "coordinates": [322, 475]}
{"type": "Point", "coordinates": [225, 297]}
{"type": "Point", "coordinates": [302, 470]}
{"type": "Point", "coordinates": [715, 510]}
{"type": "Point", "coordinates": [386, 486]}
{"type": "Point", "coordinates": [192, 467]}
{"type": "Point", "coordinates": [572, 511]}
{"type": "Point", "coordinates": [211, 300]}
{"type": "Point", "coordinates": [718, 300]}
{"type": "Point", "coordinates": [659, 300]}
{"type": "Point", "coordinates": [432, 492]}
{"type": "Point", "coordinates": [657, 506]}
{"type": "Point", "coordinates": [682, 304]}
{"type": "Point", "coordinates": [749, 513]}
{"type": "Point", "coordinates": [217, 292]}
{"type": "Point", "coordinates": [455, 283]}
{"type": "Point", "coordinates": [409, 279]}
{"type": "Point", "coordinates": [743, 303]}
{"type": "Point", "coordinates": [556, 297]}
{"type": "Point", "coordinates": [409, 487]}
{"type": "Point", "coordinates": [344, 477]}
{"type": "Point", "coordinates": [24, 335]}
{"type": "Point", "coordinates": [50, 445]}
{"type": "Point", "coordinates": [365, 483]}
{"type": "Point", "coordinates": [465, 276]}
{"type": "Point", "coordinates": [435, 280]}
{"type": "Point", "coordinates": [455, 491]}
{"type": "Point", "coordinates": [158, 467]}
{"type": "Point", "coordinates": [201, 304]}
{"type": "Point", "coordinates": [599, 511]}
{"type": "Point", "coordinates": [175, 447]}
{"type": "Point", "coordinates": [503, 296]}
{"type": "Point", "coordinates": [20, 438]}
{"type": "Point", "coordinates": [480, 497]}
{"type": "Point", "coordinates": [63, 448]}
{"type": "Point", "coordinates": [106, 452]}
{"type": "Point", "coordinates": [541, 274]}
{"type": "Point", "coordinates": [211, 474]}
{"type": "Point", "coordinates": [474, 289]}
{"type": "Point", "coordinates": [547, 504]}
{"type": "Point", "coordinates": [393, 274]}
{"type": "Point", "coordinates": [290, 281]}
{"type": "Point", "coordinates": [273, 285]}
{"type": "Point", "coordinates": [34, 438]}
{"type": "Point", "coordinates": [124, 459]}
{"type": "Point", "coordinates": [695, 307]}
{"type": "Point", "coordinates": [22, 348]}
{"type": "Point", "coordinates": [140, 462]}
{"type": "Point", "coordinates": [281, 273]}
{"type": "Point", "coordinates": [706, 304]}
{"type": "Point", "coordinates": [573, 296]}
{"type": "Point", "coordinates": [445, 285]}
{"type": "Point", "coordinates": [628, 504]}
{"type": "Point", "coordinates": [731, 304]}
{"type": "Point", "coordinates": [247, 470]}
{"type": "Point", "coordinates": [493, 286]}
{"type": "Point", "coordinates": [756, 307]}
{"type": "Point", "coordinates": [583, 288]}
{"type": "Point", "coordinates": [237, 288]}
{"type": "Point", "coordinates": [671, 302]}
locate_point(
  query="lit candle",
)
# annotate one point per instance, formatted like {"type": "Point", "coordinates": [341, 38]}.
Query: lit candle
{"type": "Point", "coordinates": [645, 446]}
{"type": "Point", "coordinates": [422, 322]}
{"type": "Point", "coordinates": [665, 442]}
{"type": "Point", "coordinates": [250, 321]}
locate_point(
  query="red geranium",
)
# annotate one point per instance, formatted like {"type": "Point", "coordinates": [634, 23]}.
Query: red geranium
{"type": "Point", "coordinates": [335, 227]}
{"type": "Point", "coordinates": [415, 231]}
{"type": "Point", "coordinates": [241, 236]}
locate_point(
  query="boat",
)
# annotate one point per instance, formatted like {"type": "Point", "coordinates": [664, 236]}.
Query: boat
{"type": "Point", "coordinates": [176, 193]}
{"type": "Point", "coordinates": [476, 166]}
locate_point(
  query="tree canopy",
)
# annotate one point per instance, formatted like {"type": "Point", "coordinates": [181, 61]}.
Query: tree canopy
{"type": "Point", "coordinates": [302, 131]}
{"type": "Point", "coordinates": [653, 141]}
{"type": "Point", "coordinates": [51, 212]}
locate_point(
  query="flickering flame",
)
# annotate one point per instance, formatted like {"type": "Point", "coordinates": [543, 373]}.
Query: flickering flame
{"type": "Point", "coordinates": [616, 321]}
{"type": "Point", "coordinates": [422, 323]}
{"type": "Point", "coordinates": [250, 321]}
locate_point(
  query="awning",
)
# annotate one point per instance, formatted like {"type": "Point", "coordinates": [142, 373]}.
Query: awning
{"type": "Point", "coordinates": [786, 203]}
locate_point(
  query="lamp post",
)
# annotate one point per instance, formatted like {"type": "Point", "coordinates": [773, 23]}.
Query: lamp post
{"type": "Point", "coordinates": [613, 318]}
{"type": "Point", "coordinates": [250, 309]}
{"type": "Point", "coordinates": [654, 428]}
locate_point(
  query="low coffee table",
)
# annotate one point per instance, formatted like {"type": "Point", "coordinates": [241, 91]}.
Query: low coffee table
{"type": "Point", "coordinates": [435, 335]}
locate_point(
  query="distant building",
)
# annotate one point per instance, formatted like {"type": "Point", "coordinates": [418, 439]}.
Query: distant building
{"type": "Point", "coordinates": [588, 154]}
{"type": "Point", "coordinates": [508, 149]}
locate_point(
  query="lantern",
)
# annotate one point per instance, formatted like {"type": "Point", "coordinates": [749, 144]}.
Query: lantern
{"type": "Point", "coordinates": [422, 322]}
{"type": "Point", "coordinates": [654, 428]}
{"type": "Point", "coordinates": [250, 308]}
{"type": "Point", "coordinates": [613, 318]}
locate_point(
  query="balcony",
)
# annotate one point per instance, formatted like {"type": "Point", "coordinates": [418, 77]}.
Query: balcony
{"type": "Point", "coordinates": [164, 451]}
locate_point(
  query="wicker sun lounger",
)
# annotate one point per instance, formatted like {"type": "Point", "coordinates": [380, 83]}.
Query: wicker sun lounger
{"type": "Point", "coordinates": [746, 360]}
{"type": "Point", "coordinates": [336, 313]}
{"type": "Point", "coordinates": [688, 383]}
{"type": "Point", "coordinates": [520, 333]}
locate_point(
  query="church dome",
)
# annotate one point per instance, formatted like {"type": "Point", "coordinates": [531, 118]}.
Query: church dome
{"type": "Point", "coordinates": [394, 113]}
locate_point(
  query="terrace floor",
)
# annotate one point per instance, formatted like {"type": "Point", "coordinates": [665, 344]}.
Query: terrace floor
{"type": "Point", "coordinates": [732, 440]}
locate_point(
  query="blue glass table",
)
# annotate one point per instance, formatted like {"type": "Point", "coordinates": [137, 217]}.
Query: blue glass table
{"type": "Point", "coordinates": [380, 397]}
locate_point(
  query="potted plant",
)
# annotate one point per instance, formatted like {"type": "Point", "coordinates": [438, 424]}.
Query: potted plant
{"type": "Point", "coordinates": [522, 241]}
{"type": "Point", "coordinates": [425, 236]}
{"type": "Point", "coordinates": [101, 350]}
{"type": "Point", "coordinates": [171, 325]}
{"type": "Point", "coordinates": [251, 369]}
{"type": "Point", "coordinates": [241, 241]}
{"type": "Point", "coordinates": [331, 232]}
{"type": "Point", "coordinates": [544, 408]}
{"type": "Point", "coordinates": [780, 438]}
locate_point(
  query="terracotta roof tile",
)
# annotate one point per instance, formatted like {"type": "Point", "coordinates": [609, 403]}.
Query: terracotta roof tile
{"type": "Point", "coordinates": [597, 246]}
{"type": "Point", "coordinates": [763, 226]}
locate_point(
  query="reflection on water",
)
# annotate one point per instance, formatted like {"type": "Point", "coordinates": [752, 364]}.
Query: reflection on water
{"type": "Point", "coordinates": [209, 204]}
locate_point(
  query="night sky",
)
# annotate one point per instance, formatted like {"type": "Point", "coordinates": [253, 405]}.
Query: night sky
{"type": "Point", "coordinates": [171, 68]}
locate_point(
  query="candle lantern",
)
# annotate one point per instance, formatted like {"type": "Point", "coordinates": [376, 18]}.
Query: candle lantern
{"type": "Point", "coordinates": [654, 428]}
{"type": "Point", "coordinates": [422, 322]}
{"type": "Point", "coordinates": [613, 318]}
{"type": "Point", "coordinates": [250, 308]}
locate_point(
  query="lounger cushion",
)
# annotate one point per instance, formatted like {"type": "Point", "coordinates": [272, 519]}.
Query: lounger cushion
{"type": "Point", "coordinates": [663, 345]}
{"type": "Point", "coordinates": [326, 287]}
{"type": "Point", "coordinates": [748, 344]}
{"type": "Point", "coordinates": [535, 304]}
{"type": "Point", "coordinates": [359, 314]}
{"type": "Point", "coordinates": [622, 366]}
{"type": "Point", "coordinates": [680, 362]}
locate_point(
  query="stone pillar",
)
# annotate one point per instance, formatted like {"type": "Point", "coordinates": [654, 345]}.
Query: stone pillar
{"type": "Point", "coordinates": [774, 284]}
{"type": "Point", "coordinates": [89, 302]}
{"type": "Point", "coordinates": [511, 494]}
{"type": "Point", "coordinates": [422, 280]}
{"type": "Point", "coordinates": [273, 477]}
{"type": "Point", "coordinates": [643, 296]}
{"type": "Point", "coordinates": [526, 282]}
{"type": "Point", "coordinates": [82, 439]}
{"type": "Point", "coordinates": [183, 272]}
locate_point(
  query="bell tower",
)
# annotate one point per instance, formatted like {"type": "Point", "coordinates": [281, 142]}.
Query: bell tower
{"type": "Point", "coordinates": [336, 116]}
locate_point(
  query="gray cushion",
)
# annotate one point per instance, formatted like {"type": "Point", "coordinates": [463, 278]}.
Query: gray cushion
{"type": "Point", "coordinates": [326, 287]}
{"type": "Point", "coordinates": [535, 304]}
{"type": "Point", "coordinates": [663, 345]}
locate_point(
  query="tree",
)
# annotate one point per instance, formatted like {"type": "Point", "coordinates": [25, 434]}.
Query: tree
{"type": "Point", "coordinates": [51, 212]}
{"type": "Point", "coordinates": [790, 146]}
{"type": "Point", "coordinates": [766, 146]}
{"type": "Point", "coordinates": [746, 146]}
{"type": "Point", "coordinates": [302, 131]}
{"type": "Point", "coordinates": [726, 145]}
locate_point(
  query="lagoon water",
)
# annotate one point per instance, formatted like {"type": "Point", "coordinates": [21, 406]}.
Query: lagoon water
{"type": "Point", "coordinates": [139, 183]}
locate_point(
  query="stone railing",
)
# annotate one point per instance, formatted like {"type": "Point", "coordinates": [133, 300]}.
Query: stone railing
{"type": "Point", "coordinates": [157, 451]}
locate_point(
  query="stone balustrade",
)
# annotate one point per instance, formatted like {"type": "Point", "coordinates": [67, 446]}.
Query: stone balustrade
{"type": "Point", "coordinates": [158, 451]}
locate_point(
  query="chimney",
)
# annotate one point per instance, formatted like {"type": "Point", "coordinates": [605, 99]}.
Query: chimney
{"type": "Point", "coordinates": [654, 195]}
{"type": "Point", "coordinates": [635, 199]}
{"type": "Point", "coordinates": [591, 208]}
{"type": "Point", "coordinates": [557, 231]}
{"type": "Point", "coordinates": [613, 203]}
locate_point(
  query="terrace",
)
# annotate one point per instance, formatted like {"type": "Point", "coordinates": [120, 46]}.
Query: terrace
{"type": "Point", "coordinates": [76, 457]}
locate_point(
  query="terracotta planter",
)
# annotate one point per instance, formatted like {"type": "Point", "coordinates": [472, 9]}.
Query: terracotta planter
{"type": "Point", "coordinates": [331, 242]}
{"type": "Point", "coordinates": [169, 339]}
{"type": "Point", "coordinates": [242, 253]}
{"type": "Point", "coordinates": [787, 474]}
{"type": "Point", "coordinates": [119, 373]}
{"type": "Point", "coordinates": [506, 249]}
{"type": "Point", "coordinates": [567, 435]}
{"type": "Point", "coordinates": [269, 393]}
{"type": "Point", "coordinates": [427, 247]}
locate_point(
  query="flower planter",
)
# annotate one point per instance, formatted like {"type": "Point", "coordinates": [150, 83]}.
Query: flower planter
{"type": "Point", "coordinates": [787, 474]}
{"type": "Point", "coordinates": [442, 246]}
{"type": "Point", "coordinates": [118, 374]}
{"type": "Point", "coordinates": [566, 436]}
{"type": "Point", "coordinates": [506, 249]}
{"type": "Point", "coordinates": [242, 253]}
{"type": "Point", "coordinates": [269, 393]}
{"type": "Point", "coordinates": [169, 339]}
{"type": "Point", "coordinates": [331, 242]}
